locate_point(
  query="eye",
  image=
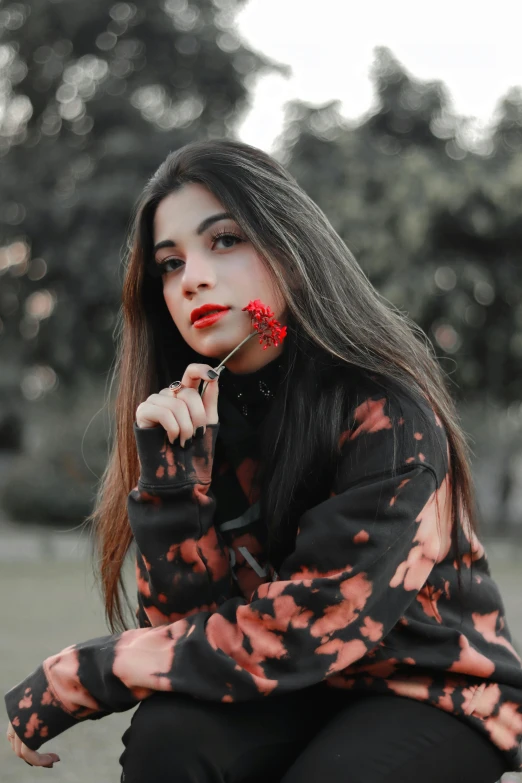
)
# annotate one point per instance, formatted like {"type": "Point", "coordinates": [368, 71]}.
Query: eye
{"type": "Point", "coordinates": [227, 235]}
{"type": "Point", "coordinates": [167, 265]}
{"type": "Point", "coordinates": [171, 264]}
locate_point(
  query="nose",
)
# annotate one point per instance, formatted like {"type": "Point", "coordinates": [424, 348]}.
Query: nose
{"type": "Point", "coordinates": [197, 273]}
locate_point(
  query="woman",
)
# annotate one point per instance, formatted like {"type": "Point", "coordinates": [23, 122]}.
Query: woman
{"type": "Point", "coordinates": [313, 601]}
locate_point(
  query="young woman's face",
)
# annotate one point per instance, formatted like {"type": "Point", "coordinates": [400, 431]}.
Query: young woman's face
{"type": "Point", "coordinates": [209, 260]}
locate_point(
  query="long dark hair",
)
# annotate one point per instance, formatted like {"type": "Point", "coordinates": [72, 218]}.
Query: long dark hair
{"type": "Point", "coordinates": [339, 327]}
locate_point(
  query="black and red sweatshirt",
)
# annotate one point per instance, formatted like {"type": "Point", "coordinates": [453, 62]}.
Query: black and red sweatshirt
{"type": "Point", "coordinates": [368, 599]}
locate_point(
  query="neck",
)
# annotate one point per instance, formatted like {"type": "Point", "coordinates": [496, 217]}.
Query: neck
{"type": "Point", "coordinates": [238, 372]}
{"type": "Point", "coordinates": [246, 362]}
{"type": "Point", "coordinates": [252, 392]}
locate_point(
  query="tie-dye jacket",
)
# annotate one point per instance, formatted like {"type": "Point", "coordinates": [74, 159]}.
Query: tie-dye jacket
{"type": "Point", "coordinates": [368, 599]}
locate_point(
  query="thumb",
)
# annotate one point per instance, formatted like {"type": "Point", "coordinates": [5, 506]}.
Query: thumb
{"type": "Point", "coordinates": [210, 394]}
{"type": "Point", "coordinates": [50, 758]}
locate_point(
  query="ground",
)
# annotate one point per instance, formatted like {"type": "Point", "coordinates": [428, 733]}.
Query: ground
{"type": "Point", "coordinates": [50, 602]}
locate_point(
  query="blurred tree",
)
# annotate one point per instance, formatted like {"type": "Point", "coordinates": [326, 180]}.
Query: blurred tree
{"type": "Point", "coordinates": [435, 225]}
{"type": "Point", "coordinates": [94, 97]}
{"type": "Point", "coordinates": [507, 136]}
{"type": "Point", "coordinates": [407, 108]}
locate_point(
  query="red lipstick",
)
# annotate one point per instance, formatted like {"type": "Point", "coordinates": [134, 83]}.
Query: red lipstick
{"type": "Point", "coordinates": [208, 320]}
{"type": "Point", "coordinates": [205, 310]}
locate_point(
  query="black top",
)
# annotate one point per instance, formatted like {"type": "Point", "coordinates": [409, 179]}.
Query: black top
{"type": "Point", "coordinates": [369, 599]}
{"type": "Point", "coordinates": [243, 403]}
{"type": "Point", "coordinates": [252, 393]}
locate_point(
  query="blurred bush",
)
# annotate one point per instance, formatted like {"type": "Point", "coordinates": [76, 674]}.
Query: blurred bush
{"type": "Point", "coordinates": [495, 436]}
{"type": "Point", "coordinates": [54, 479]}
{"type": "Point", "coordinates": [47, 491]}
{"type": "Point", "coordinates": [11, 429]}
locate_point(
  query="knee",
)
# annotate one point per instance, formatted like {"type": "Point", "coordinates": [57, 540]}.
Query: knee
{"type": "Point", "coordinates": [164, 734]}
{"type": "Point", "coordinates": [152, 724]}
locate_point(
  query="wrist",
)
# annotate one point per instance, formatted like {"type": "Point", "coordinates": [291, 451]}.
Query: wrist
{"type": "Point", "coordinates": [35, 714]}
{"type": "Point", "coordinates": [163, 463]}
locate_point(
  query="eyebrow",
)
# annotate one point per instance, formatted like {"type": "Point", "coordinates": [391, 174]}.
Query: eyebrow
{"type": "Point", "coordinates": [200, 229]}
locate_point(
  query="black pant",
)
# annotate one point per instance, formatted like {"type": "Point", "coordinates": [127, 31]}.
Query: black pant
{"type": "Point", "coordinates": [317, 735]}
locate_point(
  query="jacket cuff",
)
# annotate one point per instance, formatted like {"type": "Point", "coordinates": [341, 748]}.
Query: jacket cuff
{"type": "Point", "coordinates": [163, 464]}
{"type": "Point", "coordinates": [36, 715]}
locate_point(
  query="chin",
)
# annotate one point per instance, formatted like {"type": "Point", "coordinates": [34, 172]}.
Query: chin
{"type": "Point", "coordinates": [213, 349]}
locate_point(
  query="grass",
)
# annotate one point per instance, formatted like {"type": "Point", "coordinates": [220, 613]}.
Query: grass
{"type": "Point", "coordinates": [50, 604]}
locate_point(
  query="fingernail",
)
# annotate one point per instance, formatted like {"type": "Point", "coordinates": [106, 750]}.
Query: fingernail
{"type": "Point", "coordinates": [212, 374]}
{"type": "Point", "coordinates": [199, 432]}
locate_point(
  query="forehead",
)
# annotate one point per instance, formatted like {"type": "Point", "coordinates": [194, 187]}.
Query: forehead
{"type": "Point", "coordinates": [180, 212]}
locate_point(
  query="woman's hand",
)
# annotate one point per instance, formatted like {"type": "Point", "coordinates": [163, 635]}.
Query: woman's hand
{"type": "Point", "coordinates": [30, 756]}
{"type": "Point", "coordinates": [181, 414]}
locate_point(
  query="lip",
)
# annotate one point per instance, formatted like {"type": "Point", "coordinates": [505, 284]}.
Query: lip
{"type": "Point", "coordinates": [208, 320]}
{"type": "Point", "coordinates": [205, 309]}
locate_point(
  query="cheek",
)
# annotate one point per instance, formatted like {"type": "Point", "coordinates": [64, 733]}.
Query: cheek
{"type": "Point", "coordinates": [261, 282]}
{"type": "Point", "coordinates": [170, 294]}
{"type": "Point", "coordinates": [172, 304]}
{"type": "Point", "coordinates": [271, 293]}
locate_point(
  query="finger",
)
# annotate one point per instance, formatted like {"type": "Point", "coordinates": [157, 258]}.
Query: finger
{"type": "Point", "coordinates": [17, 745]}
{"type": "Point", "coordinates": [30, 757]}
{"type": "Point", "coordinates": [209, 396]}
{"type": "Point", "coordinates": [38, 759]}
{"type": "Point", "coordinates": [194, 374]}
{"type": "Point", "coordinates": [173, 415]}
{"type": "Point", "coordinates": [162, 416]}
{"type": "Point", "coordinates": [10, 733]}
{"type": "Point", "coordinates": [195, 406]}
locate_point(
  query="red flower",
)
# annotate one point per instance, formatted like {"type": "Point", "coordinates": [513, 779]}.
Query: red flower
{"type": "Point", "coordinates": [270, 330]}
{"type": "Point", "coordinates": [263, 321]}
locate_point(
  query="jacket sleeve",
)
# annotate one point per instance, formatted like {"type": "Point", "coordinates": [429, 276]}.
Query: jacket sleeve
{"type": "Point", "coordinates": [182, 566]}
{"type": "Point", "coordinates": [360, 558]}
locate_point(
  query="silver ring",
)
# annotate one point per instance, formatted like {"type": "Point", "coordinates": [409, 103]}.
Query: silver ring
{"type": "Point", "coordinates": [176, 386]}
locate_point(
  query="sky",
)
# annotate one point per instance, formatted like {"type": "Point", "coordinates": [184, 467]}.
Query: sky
{"type": "Point", "coordinates": [473, 47]}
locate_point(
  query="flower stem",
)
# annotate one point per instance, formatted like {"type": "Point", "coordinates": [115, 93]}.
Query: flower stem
{"type": "Point", "coordinates": [221, 364]}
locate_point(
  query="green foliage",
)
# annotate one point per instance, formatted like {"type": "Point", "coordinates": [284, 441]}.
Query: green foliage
{"type": "Point", "coordinates": [98, 95]}
{"type": "Point", "coordinates": [53, 480]}
{"type": "Point", "coordinates": [435, 226]}
{"type": "Point", "coordinates": [39, 491]}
